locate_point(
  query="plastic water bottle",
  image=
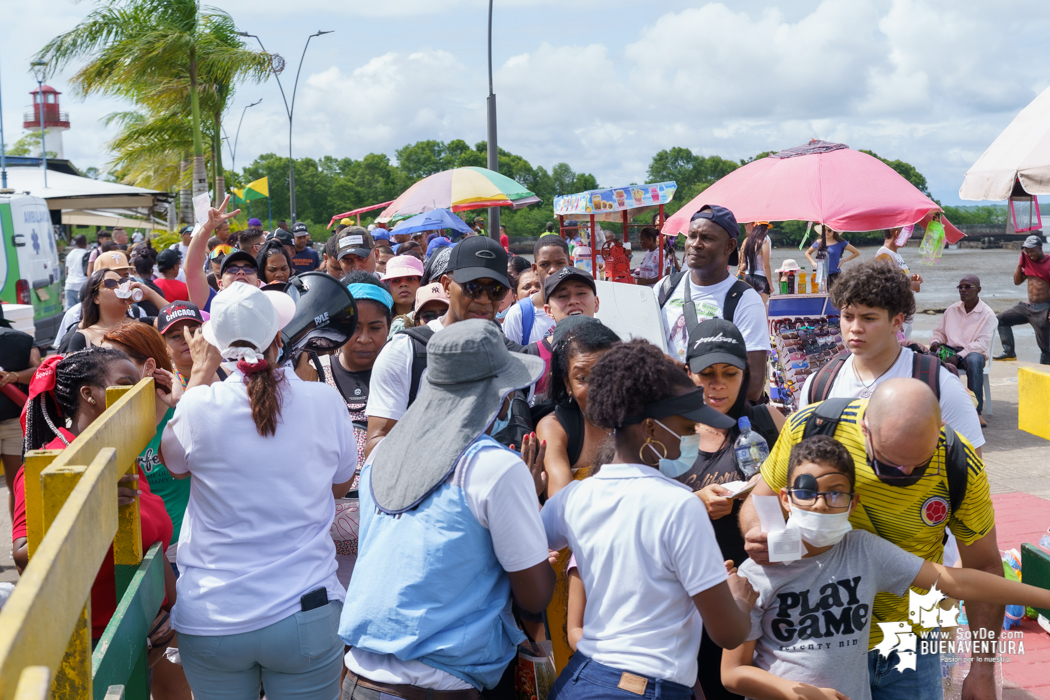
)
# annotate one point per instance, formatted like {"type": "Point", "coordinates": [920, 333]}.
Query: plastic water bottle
{"type": "Point", "coordinates": [751, 449]}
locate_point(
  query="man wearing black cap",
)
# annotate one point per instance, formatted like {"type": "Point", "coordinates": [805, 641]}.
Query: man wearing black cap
{"type": "Point", "coordinates": [1034, 267]}
{"type": "Point", "coordinates": [304, 258]}
{"type": "Point", "coordinates": [570, 292]}
{"type": "Point", "coordinates": [709, 291]}
{"type": "Point", "coordinates": [475, 282]}
{"type": "Point", "coordinates": [356, 250]}
{"type": "Point", "coordinates": [238, 266]}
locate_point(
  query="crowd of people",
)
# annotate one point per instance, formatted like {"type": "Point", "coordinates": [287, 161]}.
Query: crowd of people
{"type": "Point", "coordinates": [517, 472]}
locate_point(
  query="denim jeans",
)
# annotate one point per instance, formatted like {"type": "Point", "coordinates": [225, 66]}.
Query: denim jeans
{"type": "Point", "coordinates": [1034, 314]}
{"type": "Point", "coordinates": [584, 678]}
{"type": "Point", "coordinates": [888, 683]}
{"type": "Point", "coordinates": [974, 366]}
{"type": "Point", "coordinates": [298, 657]}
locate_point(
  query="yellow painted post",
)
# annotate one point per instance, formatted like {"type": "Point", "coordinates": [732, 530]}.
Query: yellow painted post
{"type": "Point", "coordinates": [34, 684]}
{"type": "Point", "coordinates": [127, 545]}
{"type": "Point", "coordinates": [73, 676]}
{"type": "Point", "coordinates": [41, 614]}
{"type": "Point", "coordinates": [1033, 409]}
{"type": "Point", "coordinates": [36, 462]}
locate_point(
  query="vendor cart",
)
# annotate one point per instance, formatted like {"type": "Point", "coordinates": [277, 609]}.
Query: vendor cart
{"type": "Point", "coordinates": [614, 204]}
{"type": "Point", "coordinates": [804, 329]}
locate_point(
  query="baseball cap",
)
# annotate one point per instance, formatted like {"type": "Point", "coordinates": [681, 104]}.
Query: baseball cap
{"type": "Point", "coordinates": [715, 341]}
{"type": "Point", "coordinates": [403, 266]}
{"type": "Point", "coordinates": [177, 311]}
{"type": "Point", "coordinates": [567, 273]}
{"type": "Point", "coordinates": [113, 260]}
{"type": "Point", "coordinates": [299, 229]}
{"type": "Point", "coordinates": [167, 259]}
{"type": "Point", "coordinates": [721, 216]}
{"type": "Point", "coordinates": [345, 221]}
{"type": "Point", "coordinates": [254, 223]}
{"type": "Point", "coordinates": [357, 241]}
{"type": "Point", "coordinates": [188, 228]}
{"type": "Point", "coordinates": [1032, 242]}
{"type": "Point", "coordinates": [381, 234]}
{"type": "Point", "coordinates": [477, 258]}
{"type": "Point", "coordinates": [431, 292]}
{"type": "Point", "coordinates": [243, 312]}
{"type": "Point", "coordinates": [284, 237]}
{"type": "Point", "coordinates": [437, 242]}
{"type": "Point", "coordinates": [237, 256]}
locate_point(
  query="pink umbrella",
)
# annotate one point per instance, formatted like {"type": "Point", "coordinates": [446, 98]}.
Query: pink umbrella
{"type": "Point", "coordinates": [822, 182]}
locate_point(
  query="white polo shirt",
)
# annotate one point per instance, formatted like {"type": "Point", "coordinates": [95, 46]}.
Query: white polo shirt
{"type": "Point", "coordinates": [644, 546]}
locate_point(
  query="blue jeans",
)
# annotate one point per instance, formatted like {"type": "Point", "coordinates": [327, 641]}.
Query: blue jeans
{"type": "Point", "coordinates": [584, 678]}
{"type": "Point", "coordinates": [72, 297]}
{"type": "Point", "coordinates": [974, 365]}
{"type": "Point", "coordinates": [887, 683]}
{"type": "Point", "coordinates": [298, 657]}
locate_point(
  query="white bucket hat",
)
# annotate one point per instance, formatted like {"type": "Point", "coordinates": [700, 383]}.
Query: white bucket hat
{"type": "Point", "coordinates": [247, 313]}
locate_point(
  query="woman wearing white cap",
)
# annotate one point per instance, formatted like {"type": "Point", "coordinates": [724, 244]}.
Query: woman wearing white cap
{"type": "Point", "coordinates": [259, 600]}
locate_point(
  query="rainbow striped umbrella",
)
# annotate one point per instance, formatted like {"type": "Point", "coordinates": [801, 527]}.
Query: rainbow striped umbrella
{"type": "Point", "coordinates": [459, 189]}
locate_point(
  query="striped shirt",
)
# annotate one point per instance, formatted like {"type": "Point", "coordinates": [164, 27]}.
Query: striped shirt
{"type": "Point", "coordinates": [911, 517]}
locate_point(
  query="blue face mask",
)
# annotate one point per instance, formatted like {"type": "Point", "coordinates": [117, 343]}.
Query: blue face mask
{"type": "Point", "coordinates": [503, 314]}
{"type": "Point", "coordinates": [499, 424]}
{"type": "Point", "coordinates": [689, 446]}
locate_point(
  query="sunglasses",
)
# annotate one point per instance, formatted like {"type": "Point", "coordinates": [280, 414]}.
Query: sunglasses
{"type": "Point", "coordinates": [832, 499]}
{"type": "Point", "coordinates": [895, 474]}
{"type": "Point", "coordinates": [965, 287]}
{"type": "Point", "coordinates": [220, 251]}
{"type": "Point", "coordinates": [428, 315]}
{"type": "Point", "coordinates": [495, 292]}
{"type": "Point", "coordinates": [109, 284]}
{"type": "Point", "coordinates": [241, 270]}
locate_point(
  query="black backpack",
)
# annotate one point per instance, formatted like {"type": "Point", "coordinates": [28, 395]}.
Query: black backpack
{"type": "Point", "coordinates": [925, 368]}
{"type": "Point", "coordinates": [728, 307]}
{"type": "Point", "coordinates": [520, 413]}
{"type": "Point", "coordinates": [825, 419]}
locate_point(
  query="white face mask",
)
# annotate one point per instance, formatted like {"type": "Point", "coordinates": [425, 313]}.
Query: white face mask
{"type": "Point", "coordinates": [821, 529]}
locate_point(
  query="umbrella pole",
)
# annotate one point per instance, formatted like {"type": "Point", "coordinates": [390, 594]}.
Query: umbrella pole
{"type": "Point", "coordinates": [662, 240]}
{"type": "Point", "coordinates": [269, 213]}
{"type": "Point", "coordinates": [594, 252]}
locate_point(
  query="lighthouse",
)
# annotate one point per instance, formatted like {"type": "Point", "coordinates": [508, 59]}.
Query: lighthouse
{"type": "Point", "coordinates": [45, 106]}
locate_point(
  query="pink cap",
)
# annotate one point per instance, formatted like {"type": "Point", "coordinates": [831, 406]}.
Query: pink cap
{"type": "Point", "coordinates": [403, 266]}
{"type": "Point", "coordinates": [430, 292]}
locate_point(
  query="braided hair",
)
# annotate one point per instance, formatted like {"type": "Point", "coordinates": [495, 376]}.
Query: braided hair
{"type": "Point", "coordinates": [588, 338]}
{"type": "Point", "coordinates": [48, 411]}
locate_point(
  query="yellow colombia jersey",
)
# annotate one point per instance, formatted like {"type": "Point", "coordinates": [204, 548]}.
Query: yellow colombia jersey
{"type": "Point", "coordinates": [912, 517]}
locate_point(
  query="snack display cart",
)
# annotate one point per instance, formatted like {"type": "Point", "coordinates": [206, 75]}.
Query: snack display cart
{"type": "Point", "coordinates": [805, 334]}
{"type": "Point", "coordinates": [614, 204]}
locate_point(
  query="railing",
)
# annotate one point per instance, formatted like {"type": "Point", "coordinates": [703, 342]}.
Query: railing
{"type": "Point", "coordinates": [72, 518]}
{"type": "Point", "coordinates": [52, 117]}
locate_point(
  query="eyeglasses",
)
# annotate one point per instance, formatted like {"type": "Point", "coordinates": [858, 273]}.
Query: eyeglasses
{"type": "Point", "coordinates": [965, 287]}
{"type": "Point", "coordinates": [832, 499]}
{"type": "Point", "coordinates": [495, 292]}
{"type": "Point", "coordinates": [241, 270]}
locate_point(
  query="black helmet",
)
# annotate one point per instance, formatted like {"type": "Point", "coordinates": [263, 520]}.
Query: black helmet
{"type": "Point", "coordinates": [325, 315]}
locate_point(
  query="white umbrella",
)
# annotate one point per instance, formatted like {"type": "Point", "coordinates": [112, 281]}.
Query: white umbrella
{"type": "Point", "coordinates": [1021, 152]}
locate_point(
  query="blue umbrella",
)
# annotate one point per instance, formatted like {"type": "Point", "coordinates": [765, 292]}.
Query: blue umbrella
{"type": "Point", "coordinates": [433, 220]}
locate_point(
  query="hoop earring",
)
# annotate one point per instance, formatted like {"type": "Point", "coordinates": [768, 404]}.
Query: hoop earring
{"type": "Point", "coordinates": [650, 441]}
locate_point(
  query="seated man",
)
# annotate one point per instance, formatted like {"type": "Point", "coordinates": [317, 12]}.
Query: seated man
{"type": "Point", "coordinates": [966, 328]}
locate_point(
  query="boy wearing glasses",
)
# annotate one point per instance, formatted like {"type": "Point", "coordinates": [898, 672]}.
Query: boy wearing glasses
{"type": "Point", "coordinates": [899, 447]}
{"type": "Point", "coordinates": [812, 618]}
{"type": "Point", "coordinates": [965, 332]}
{"type": "Point", "coordinates": [475, 283]}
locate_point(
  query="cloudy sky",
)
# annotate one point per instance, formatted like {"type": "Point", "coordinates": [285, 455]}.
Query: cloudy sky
{"type": "Point", "coordinates": [604, 84]}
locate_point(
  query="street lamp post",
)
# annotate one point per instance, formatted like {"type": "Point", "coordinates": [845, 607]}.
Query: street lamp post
{"type": "Point", "coordinates": [289, 109]}
{"type": "Point", "coordinates": [237, 136]}
{"type": "Point", "coordinates": [493, 148]}
{"type": "Point", "coordinates": [3, 151]}
{"type": "Point", "coordinates": [40, 72]}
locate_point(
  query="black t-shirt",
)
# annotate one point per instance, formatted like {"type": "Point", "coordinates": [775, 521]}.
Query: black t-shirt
{"type": "Point", "coordinates": [15, 350]}
{"type": "Point", "coordinates": [352, 385]}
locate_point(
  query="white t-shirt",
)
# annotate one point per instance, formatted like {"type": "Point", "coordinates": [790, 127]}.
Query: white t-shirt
{"type": "Point", "coordinates": [255, 537]}
{"type": "Point", "coordinates": [501, 495]}
{"type": "Point", "coordinates": [644, 547]}
{"type": "Point", "coordinates": [749, 317]}
{"type": "Point", "coordinates": [957, 410]}
{"type": "Point", "coordinates": [75, 277]}
{"type": "Point", "coordinates": [391, 380]}
{"type": "Point", "coordinates": [650, 266]}
{"type": "Point", "coordinates": [541, 325]}
{"type": "Point", "coordinates": [894, 256]}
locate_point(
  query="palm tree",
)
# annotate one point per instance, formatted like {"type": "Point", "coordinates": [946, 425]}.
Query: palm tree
{"type": "Point", "coordinates": [149, 50]}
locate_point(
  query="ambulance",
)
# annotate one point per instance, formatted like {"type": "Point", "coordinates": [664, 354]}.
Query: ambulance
{"type": "Point", "coordinates": [30, 272]}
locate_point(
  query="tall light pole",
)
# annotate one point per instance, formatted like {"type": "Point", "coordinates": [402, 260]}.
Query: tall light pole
{"type": "Point", "coordinates": [289, 109]}
{"type": "Point", "coordinates": [237, 136]}
{"type": "Point", "coordinates": [3, 150]}
{"type": "Point", "coordinates": [493, 148]}
{"type": "Point", "coordinates": [40, 72]}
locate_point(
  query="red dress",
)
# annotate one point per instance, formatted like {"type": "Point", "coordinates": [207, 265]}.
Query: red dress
{"type": "Point", "coordinates": [156, 527]}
